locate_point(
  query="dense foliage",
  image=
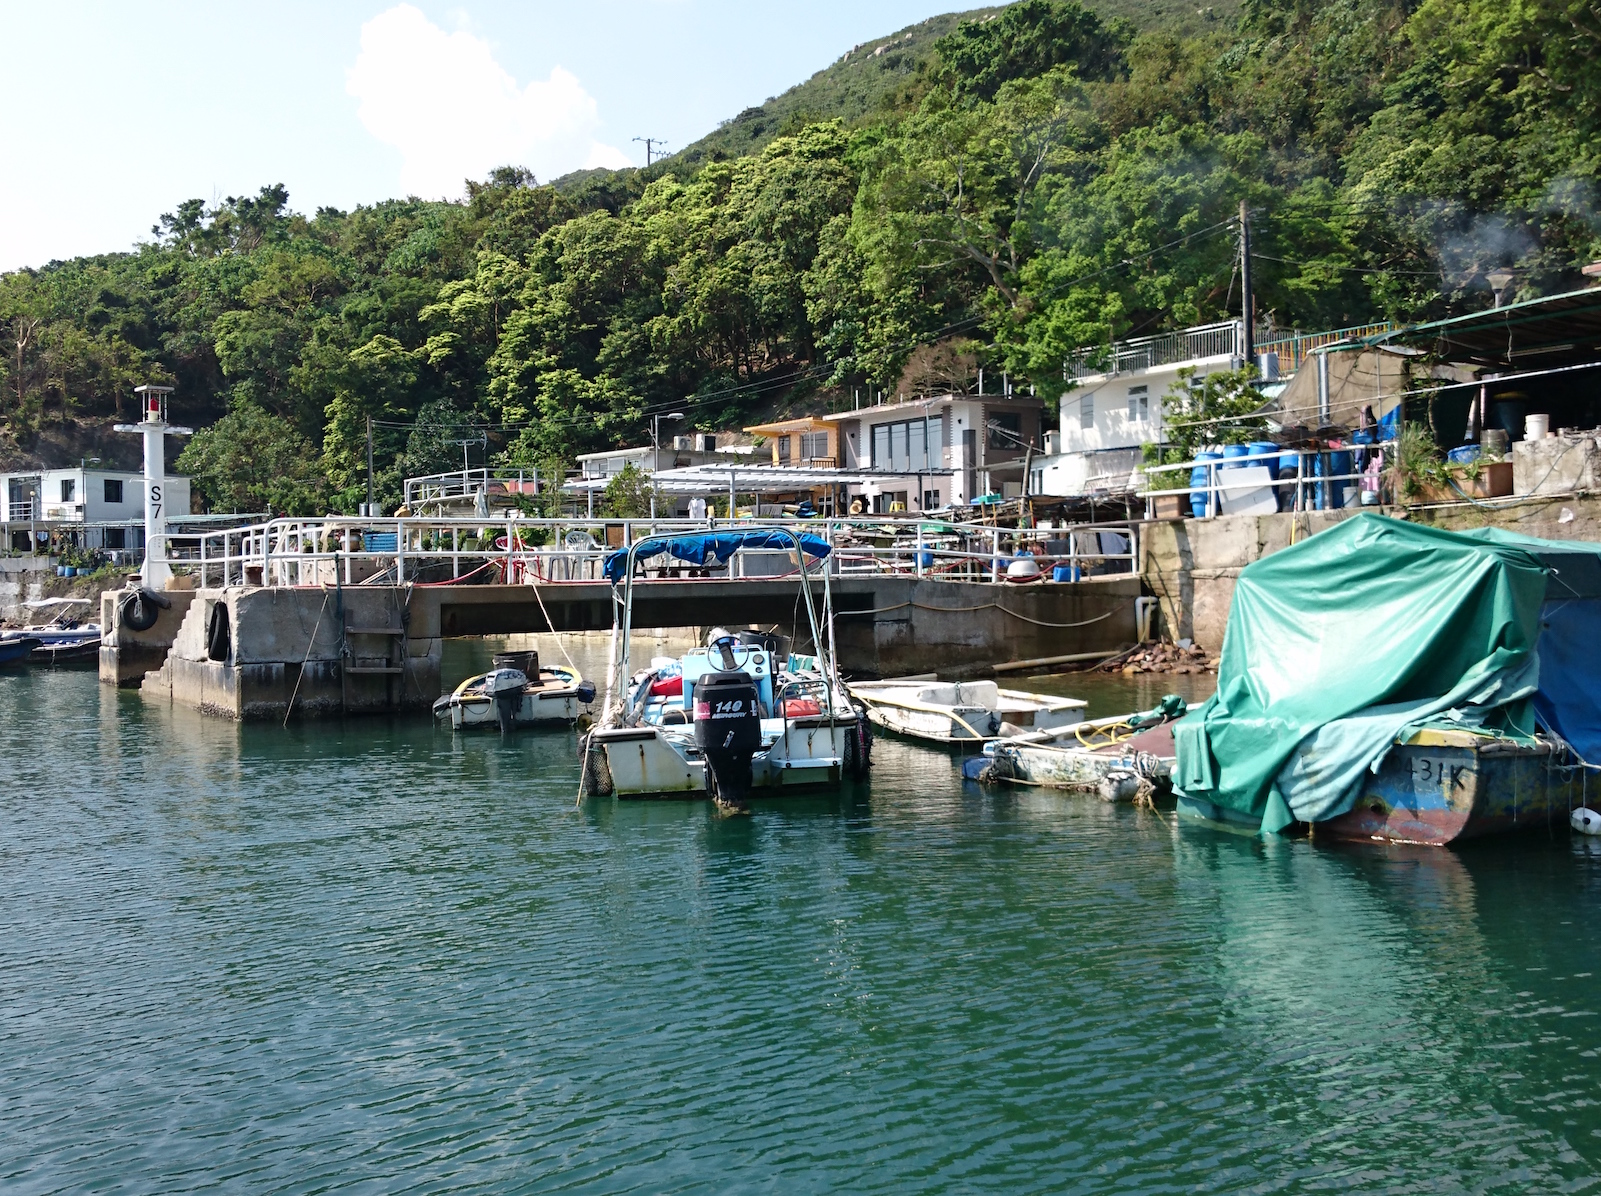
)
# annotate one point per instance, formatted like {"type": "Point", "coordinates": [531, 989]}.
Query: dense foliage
{"type": "Point", "coordinates": [1045, 180]}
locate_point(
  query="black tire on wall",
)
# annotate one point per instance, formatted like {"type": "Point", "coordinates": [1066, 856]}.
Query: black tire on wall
{"type": "Point", "coordinates": [218, 633]}
{"type": "Point", "coordinates": [138, 611]}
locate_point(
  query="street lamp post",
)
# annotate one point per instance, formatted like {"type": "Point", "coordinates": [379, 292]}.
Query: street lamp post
{"type": "Point", "coordinates": [656, 438]}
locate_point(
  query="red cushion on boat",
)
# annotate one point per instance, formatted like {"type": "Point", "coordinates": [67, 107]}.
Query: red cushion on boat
{"type": "Point", "coordinates": [668, 687]}
{"type": "Point", "coordinates": [798, 707]}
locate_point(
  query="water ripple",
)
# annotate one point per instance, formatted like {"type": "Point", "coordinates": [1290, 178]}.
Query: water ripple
{"type": "Point", "coordinates": [369, 957]}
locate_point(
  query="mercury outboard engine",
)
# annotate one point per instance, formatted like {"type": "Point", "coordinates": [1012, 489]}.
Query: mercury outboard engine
{"type": "Point", "coordinates": [728, 729]}
{"type": "Point", "coordinates": [506, 686]}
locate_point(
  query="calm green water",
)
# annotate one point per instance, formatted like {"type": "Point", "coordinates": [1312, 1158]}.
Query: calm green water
{"type": "Point", "coordinates": [370, 957]}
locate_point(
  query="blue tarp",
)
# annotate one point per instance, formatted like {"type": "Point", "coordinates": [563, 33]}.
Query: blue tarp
{"type": "Point", "coordinates": [713, 546]}
{"type": "Point", "coordinates": [1568, 701]}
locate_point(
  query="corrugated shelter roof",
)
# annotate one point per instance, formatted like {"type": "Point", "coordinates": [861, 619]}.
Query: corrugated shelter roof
{"type": "Point", "coordinates": [1555, 330]}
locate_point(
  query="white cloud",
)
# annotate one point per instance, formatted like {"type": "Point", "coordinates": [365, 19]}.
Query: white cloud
{"type": "Point", "coordinates": [455, 113]}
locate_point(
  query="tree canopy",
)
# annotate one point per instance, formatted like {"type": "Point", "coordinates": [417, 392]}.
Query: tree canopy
{"type": "Point", "coordinates": [1048, 180]}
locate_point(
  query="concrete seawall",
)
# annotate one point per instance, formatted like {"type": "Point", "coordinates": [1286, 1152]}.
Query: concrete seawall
{"type": "Point", "coordinates": [377, 648]}
{"type": "Point", "coordinates": [1191, 564]}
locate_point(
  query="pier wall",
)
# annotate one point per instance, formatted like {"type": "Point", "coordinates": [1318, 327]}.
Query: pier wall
{"type": "Point", "coordinates": [286, 648]}
{"type": "Point", "coordinates": [1191, 564]}
{"type": "Point", "coordinates": [126, 656]}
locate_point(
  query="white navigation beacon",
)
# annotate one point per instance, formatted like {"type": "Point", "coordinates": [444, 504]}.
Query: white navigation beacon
{"type": "Point", "coordinates": [154, 427]}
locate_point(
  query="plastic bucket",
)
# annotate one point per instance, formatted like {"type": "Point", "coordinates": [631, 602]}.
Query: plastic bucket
{"type": "Point", "coordinates": [1535, 427]}
{"type": "Point", "coordinates": [1198, 482]}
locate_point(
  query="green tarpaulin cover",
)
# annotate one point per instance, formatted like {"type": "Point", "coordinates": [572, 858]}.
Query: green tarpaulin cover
{"type": "Point", "coordinates": [1339, 643]}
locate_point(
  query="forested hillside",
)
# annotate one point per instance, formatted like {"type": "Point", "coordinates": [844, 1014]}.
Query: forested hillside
{"type": "Point", "coordinates": [1046, 178]}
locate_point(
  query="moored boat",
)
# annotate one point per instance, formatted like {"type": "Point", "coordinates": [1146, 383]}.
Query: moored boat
{"type": "Point", "coordinates": [1476, 719]}
{"type": "Point", "coordinates": [961, 711]}
{"type": "Point", "coordinates": [742, 716]}
{"type": "Point", "coordinates": [517, 692]}
{"type": "Point", "coordinates": [1119, 759]}
{"type": "Point", "coordinates": [17, 650]}
{"type": "Point", "coordinates": [62, 639]}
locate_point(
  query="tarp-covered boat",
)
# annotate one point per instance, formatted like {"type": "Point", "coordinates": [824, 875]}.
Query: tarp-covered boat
{"type": "Point", "coordinates": [1383, 680]}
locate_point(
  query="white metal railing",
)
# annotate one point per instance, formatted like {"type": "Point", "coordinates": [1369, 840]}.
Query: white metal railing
{"type": "Point", "coordinates": [1143, 352]}
{"type": "Point", "coordinates": [1310, 489]}
{"type": "Point", "coordinates": [467, 484]}
{"type": "Point", "coordinates": [354, 550]}
{"type": "Point", "coordinates": [1224, 339]}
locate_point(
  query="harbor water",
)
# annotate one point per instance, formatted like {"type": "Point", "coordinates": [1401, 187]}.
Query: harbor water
{"type": "Point", "coordinates": [368, 956]}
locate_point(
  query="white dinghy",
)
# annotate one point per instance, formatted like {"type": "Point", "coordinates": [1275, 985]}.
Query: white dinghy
{"type": "Point", "coordinates": [962, 711]}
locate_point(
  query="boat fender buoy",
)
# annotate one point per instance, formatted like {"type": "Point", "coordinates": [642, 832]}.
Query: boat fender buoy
{"type": "Point", "coordinates": [1586, 821]}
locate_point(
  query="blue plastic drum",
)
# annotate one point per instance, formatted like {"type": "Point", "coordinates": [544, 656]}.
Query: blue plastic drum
{"type": "Point", "coordinates": [1198, 482]}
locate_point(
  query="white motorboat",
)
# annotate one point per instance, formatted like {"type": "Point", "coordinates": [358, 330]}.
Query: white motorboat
{"type": "Point", "coordinates": [517, 692]}
{"type": "Point", "coordinates": [742, 715]}
{"type": "Point", "coordinates": [962, 711]}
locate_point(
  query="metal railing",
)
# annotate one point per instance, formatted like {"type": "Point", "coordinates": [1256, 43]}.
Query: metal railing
{"type": "Point", "coordinates": [464, 484]}
{"type": "Point", "coordinates": [1308, 490]}
{"type": "Point", "coordinates": [355, 550]}
{"type": "Point", "coordinates": [1224, 339]}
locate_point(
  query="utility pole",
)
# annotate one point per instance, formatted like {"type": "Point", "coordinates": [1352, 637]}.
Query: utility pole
{"type": "Point", "coordinates": [1247, 298]}
{"type": "Point", "coordinates": [371, 502]}
{"type": "Point", "coordinates": [652, 152]}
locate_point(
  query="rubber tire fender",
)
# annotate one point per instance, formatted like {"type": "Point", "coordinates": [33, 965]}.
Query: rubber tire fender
{"type": "Point", "coordinates": [140, 608]}
{"type": "Point", "coordinates": [218, 633]}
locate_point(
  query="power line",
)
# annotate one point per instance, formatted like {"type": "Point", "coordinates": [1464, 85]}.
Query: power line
{"type": "Point", "coordinates": [650, 147]}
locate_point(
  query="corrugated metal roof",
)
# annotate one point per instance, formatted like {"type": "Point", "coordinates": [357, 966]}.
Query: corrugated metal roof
{"type": "Point", "coordinates": [1552, 331]}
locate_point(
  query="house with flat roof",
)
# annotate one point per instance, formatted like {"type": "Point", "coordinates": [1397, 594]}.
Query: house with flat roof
{"type": "Point", "coordinates": [939, 451]}
{"type": "Point", "coordinates": [1114, 408]}
{"type": "Point", "coordinates": [108, 504]}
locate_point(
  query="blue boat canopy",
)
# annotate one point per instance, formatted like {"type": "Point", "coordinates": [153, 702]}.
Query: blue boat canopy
{"type": "Point", "coordinates": [714, 546]}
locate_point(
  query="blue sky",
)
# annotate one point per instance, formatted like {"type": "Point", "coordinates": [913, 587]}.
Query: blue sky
{"type": "Point", "coordinates": [117, 111]}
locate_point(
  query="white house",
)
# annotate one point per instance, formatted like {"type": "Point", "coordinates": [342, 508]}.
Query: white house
{"type": "Point", "coordinates": [108, 502]}
{"type": "Point", "coordinates": [698, 448]}
{"type": "Point", "coordinates": [939, 451]}
{"type": "Point", "coordinates": [1115, 406]}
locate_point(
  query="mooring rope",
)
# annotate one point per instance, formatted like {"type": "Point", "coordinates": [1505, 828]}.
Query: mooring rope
{"type": "Point", "coordinates": [958, 610]}
{"type": "Point", "coordinates": [310, 644]}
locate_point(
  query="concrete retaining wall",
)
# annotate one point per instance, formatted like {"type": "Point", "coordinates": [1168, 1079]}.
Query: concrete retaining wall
{"type": "Point", "coordinates": [1191, 564]}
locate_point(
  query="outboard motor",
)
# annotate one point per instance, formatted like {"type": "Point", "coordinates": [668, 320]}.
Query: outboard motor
{"type": "Point", "coordinates": [728, 729]}
{"type": "Point", "coordinates": [506, 687]}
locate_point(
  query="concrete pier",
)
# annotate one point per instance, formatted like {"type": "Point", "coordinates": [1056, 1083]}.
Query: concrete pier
{"type": "Point", "coordinates": [126, 656]}
{"type": "Point", "coordinates": [358, 649]}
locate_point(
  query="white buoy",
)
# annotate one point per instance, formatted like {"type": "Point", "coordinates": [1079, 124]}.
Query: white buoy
{"type": "Point", "coordinates": [155, 429]}
{"type": "Point", "coordinates": [1586, 821]}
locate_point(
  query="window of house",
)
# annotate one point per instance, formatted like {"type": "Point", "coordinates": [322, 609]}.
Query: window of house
{"type": "Point", "coordinates": [1139, 403]}
{"type": "Point", "coordinates": [783, 449]}
{"type": "Point", "coordinates": [931, 500]}
{"type": "Point", "coordinates": [1006, 431]}
{"type": "Point", "coordinates": [69, 489]}
{"type": "Point", "coordinates": [910, 446]}
{"type": "Point", "coordinates": [1086, 412]}
{"type": "Point", "coordinates": [117, 537]}
{"type": "Point", "coordinates": [114, 490]}
{"type": "Point", "coordinates": [813, 445]}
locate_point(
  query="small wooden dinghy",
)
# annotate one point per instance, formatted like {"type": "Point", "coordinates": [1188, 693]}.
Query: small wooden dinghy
{"type": "Point", "coordinates": [1120, 759]}
{"type": "Point", "coordinates": [961, 711]}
